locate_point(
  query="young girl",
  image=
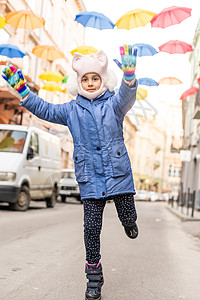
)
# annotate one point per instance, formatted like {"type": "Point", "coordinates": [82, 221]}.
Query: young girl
{"type": "Point", "coordinates": [102, 165]}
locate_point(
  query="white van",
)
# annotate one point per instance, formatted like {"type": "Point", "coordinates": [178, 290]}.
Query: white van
{"type": "Point", "coordinates": [30, 166]}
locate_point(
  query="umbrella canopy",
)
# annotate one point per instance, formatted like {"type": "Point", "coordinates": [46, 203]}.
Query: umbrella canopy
{"type": "Point", "coordinates": [147, 81]}
{"type": "Point", "coordinates": [95, 20]}
{"type": "Point", "coordinates": [141, 94]}
{"type": "Point", "coordinates": [11, 51]}
{"type": "Point", "coordinates": [47, 52]}
{"type": "Point", "coordinates": [170, 80]}
{"type": "Point", "coordinates": [24, 19]}
{"type": "Point", "coordinates": [52, 87]}
{"type": "Point", "coordinates": [145, 49]}
{"type": "Point", "coordinates": [134, 18]}
{"type": "Point", "coordinates": [189, 92]}
{"type": "Point", "coordinates": [175, 46]}
{"type": "Point", "coordinates": [170, 16]}
{"type": "Point", "coordinates": [2, 22]}
{"type": "Point", "coordinates": [51, 76]}
{"type": "Point", "coordinates": [85, 50]}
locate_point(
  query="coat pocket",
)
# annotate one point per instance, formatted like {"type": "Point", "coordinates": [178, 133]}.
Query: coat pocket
{"type": "Point", "coordinates": [80, 168]}
{"type": "Point", "coordinates": [120, 160]}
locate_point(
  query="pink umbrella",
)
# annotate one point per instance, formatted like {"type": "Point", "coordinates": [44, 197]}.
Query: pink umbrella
{"type": "Point", "coordinates": [175, 46]}
{"type": "Point", "coordinates": [189, 92]}
{"type": "Point", "coordinates": [170, 16]}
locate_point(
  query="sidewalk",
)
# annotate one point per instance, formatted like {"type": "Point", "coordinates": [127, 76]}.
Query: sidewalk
{"type": "Point", "coordinates": [183, 214]}
{"type": "Point", "coordinates": [190, 224]}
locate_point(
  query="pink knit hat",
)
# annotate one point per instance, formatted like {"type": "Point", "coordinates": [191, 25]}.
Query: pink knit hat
{"type": "Point", "coordinates": [93, 63]}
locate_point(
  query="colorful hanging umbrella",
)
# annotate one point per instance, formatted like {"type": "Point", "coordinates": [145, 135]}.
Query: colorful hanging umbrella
{"type": "Point", "coordinates": [85, 50]}
{"type": "Point", "coordinates": [94, 19]}
{"type": "Point", "coordinates": [145, 49]}
{"type": "Point", "coordinates": [47, 52]}
{"type": "Point", "coordinates": [25, 19]}
{"type": "Point", "coordinates": [52, 87]}
{"type": "Point", "coordinates": [51, 76]}
{"type": "Point", "coordinates": [147, 81]}
{"type": "Point", "coordinates": [189, 92]}
{"type": "Point", "coordinates": [170, 80]}
{"type": "Point", "coordinates": [11, 51]}
{"type": "Point", "coordinates": [170, 16]}
{"type": "Point", "coordinates": [175, 46]}
{"type": "Point", "coordinates": [65, 79]}
{"type": "Point", "coordinates": [134, 18]}
{"type": "Point", "coordinates": [2, 22]}
{"type": "Point", "coordinates": [141, 94]}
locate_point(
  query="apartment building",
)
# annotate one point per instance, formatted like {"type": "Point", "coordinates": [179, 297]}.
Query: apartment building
{"type": "Point", "coordinates": [60, 31]}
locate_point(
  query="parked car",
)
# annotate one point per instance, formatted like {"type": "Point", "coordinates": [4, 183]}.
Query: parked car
{"type": "Point", "coordinates": [164, 197]}
{"type": "Point", "coordinates": [154, 196]}
{"type": "Point", "coordinates": [142, 195]}
{"type": "Point", "coordinates": [68, 185]}
{"type": "Point", "coordinates": [30, 166]}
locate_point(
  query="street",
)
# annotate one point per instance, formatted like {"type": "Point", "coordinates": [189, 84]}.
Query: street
{"type": "Point", "coordinates": [42, 255]}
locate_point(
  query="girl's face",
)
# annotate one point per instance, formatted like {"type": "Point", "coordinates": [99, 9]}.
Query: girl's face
{"type": "Point", "coordinates": [91, 82]}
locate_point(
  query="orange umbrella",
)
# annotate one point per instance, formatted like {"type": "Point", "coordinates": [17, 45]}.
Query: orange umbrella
{"type": "Point", "coordinates": [47, 52]}
{"type": "Point", "coordinates": [25, 19]}
{"type": "Point", "coordinates": [2, 22]}
{"type": "Point", "coordinates": [170, 80]}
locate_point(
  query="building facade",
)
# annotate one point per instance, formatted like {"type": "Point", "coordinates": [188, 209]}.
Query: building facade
{"type": "Point", "coordinates": [60, 31]}
{"type": "Point", "coordinates": [190, 178]}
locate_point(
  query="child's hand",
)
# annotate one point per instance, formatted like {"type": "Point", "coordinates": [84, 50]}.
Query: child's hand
{"type": "Point", "coordinates": [128, 57]}
{"type": "Point", "coordinates": [16, 79]}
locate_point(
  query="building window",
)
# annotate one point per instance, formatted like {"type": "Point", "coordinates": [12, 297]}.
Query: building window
{"type": "Point", "coordinates": [4, 36]}
{"type": "Point", "coordinates": [61, 35]}
{"type": "Point", "coordinates": [47, 14]}
{"type": "Point", "coordinates": [32, 4]}
{"type": "Point", "coordinates": [174, 172]}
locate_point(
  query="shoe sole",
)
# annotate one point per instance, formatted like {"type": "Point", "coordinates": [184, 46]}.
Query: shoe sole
{"type": "Point", "coordinates": [93, 298]}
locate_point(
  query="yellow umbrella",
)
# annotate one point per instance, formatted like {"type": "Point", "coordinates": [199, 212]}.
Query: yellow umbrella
{"type": "Point", "coordinates": [24, 19]}
{"type": "Point", "coordinates": [85, 50]}
{"type": "Point", "coordinates": [170, 80]}
{"type": "Point", "coordinates": [141, 94]}
{"type": "Point", "coordinates": [52, 87]}
{"type": "Point", "coordinates": [2, 22]}
{"type": "Point", "coordinates": [135, 18]}
{"type": "Point", "coordinates": [47, 52]}
{"type": "Point", "coordinates": [51, 76]}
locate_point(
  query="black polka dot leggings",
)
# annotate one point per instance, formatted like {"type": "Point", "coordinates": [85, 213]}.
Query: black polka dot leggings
{"type": "Point", "coordinates": [93, 215]}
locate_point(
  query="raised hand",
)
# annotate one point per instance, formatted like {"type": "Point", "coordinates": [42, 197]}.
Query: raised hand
{"type": "Point", "coordinates": [16, 79]}
{"type": "Point", "coordinates": [128, 57]}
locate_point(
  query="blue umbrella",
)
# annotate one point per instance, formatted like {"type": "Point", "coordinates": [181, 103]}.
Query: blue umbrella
{"type": "Point", "coordinates": [95, 20]}
{"type": "Point", "coordinates": [147, 81]}
{"type": "Point", "coordinates": [11, 51]}
{"type": "Point", "coordinates": [145, 49]}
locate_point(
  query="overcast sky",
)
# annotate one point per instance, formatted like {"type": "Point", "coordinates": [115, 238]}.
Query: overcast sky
{"type": "Point", "coordinates": [157, 66]}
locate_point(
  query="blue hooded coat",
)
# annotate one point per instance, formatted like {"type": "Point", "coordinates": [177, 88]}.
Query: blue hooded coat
{"type": "Point", "coordinates": [102, 165]}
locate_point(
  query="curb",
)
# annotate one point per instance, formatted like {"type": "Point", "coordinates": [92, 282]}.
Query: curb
{"type": "Point", "coordinates": [181, 216]}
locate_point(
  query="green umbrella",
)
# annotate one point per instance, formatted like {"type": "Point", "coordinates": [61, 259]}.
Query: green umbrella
{"type": "Point", "coordinates": [65, 79]}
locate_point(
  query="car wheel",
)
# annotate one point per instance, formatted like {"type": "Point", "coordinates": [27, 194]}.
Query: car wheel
{"type": "Point", "coordinates": [63, 198]}
{"type": "Point", "coordinates": [23, 200]}
{"type": "Point", "coordinates": [51, 201]}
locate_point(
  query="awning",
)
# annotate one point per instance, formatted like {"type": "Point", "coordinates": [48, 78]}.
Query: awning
{"type": "Point", "coordinates": [6, 94]}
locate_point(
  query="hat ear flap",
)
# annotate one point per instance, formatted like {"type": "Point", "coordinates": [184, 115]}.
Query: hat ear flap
{"type": "Point", "coordinates": [72, 85]}
{"type": "Point", "coordinates": [76, 61]}
{"type": "Point", "coordinates": [102, 58]}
